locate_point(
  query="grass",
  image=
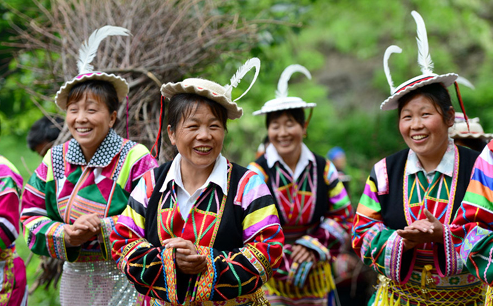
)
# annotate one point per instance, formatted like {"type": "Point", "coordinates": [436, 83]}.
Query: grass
{"type": "Point", "coordinates": [15, 149]}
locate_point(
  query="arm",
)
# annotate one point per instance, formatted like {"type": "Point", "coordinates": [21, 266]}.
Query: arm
{"type": "Point", "coordinates": [10, 186]}
{"type": "Point", "coordinates": [378, 246]}
{"type": "Point", "coordinates": [229, 273]}
{"type": "Point", "coordinates": [472, 227]}
{"type": "Point", "coordinates": [333, 231]}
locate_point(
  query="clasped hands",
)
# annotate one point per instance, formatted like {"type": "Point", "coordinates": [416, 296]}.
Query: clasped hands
{"type": "Point", "coordinates": [83, 229]}
{"type": "Point", "coordinates": [422, 231]}
{"type": "Point", "coordinates": [187, 259]}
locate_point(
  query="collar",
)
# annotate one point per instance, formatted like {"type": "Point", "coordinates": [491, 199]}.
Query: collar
{"type": "Point", "coordinates": [110, 146]}
{"type": "Point", "coordinates": [306, 156]}
{"type": "Point", "coordinates": [218, 176]}
{"type": "Point", "coordinates": [446, 165]}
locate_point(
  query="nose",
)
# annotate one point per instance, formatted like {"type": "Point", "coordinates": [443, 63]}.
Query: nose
{"type": "Point", "coordinates": [416, 123]}
{"type": "Point", "coordinates": [81, 116]}
{"type": "Point", "coordinates": [204, 133]}
{"type": "Point", "coordinates": [283, 130]}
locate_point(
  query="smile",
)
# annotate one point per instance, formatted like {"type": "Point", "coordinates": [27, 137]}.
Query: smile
{"type": "Point", "coordinates": [83, 130]}
{"type": "Point", "coordinates": [203, 149]}
{"type": "Point", "coordinates": [419, 137]}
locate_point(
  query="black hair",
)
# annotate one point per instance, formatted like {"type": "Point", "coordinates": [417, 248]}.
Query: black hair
{"type": "Point", "coordinates": [184, 105]}
{"type": "Point", "coordinates": [101, 89]}
{"type": "Point", "coordinates": [298, 114]}
{"type": "Point", "coordinates": [43, 130]}
{"type": "Point", "coordinates": [436, 93]}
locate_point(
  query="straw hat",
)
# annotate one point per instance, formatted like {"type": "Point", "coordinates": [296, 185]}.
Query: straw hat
{"type": "Point", "coordinates": [87, 52]}
{"type": "Point", "coordinates": [459, 129]}
{"type": "Point", "coordinates": [424, 60]}
{"type": "Point", "coordinates": [282, 101]}
{"type": "Point", "coordinates": [214, 91]}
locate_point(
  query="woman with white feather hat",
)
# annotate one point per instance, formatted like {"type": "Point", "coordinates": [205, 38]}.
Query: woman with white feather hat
{"type": "Point", "coordinates": [402, 227]}
{"type": "Point", "coordinates": [200, 230]}
{"type": "Point", "coordinates": [72, 201]}
{"type": "Point", "coordinates": [314, 207]}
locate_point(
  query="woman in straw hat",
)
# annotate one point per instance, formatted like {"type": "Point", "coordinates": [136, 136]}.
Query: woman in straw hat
{"type": "Point", "coordinates": [402, 224]}
{"type": "Point", "coordinates": [200, 230]}
{"type": "Point", "coordinates": [13, 282]}
{"type": "Point", "coordinates": [314, 207]}
{"type": "Point", "coordinates": [71, 203]}
{"type": "Point", "coordinates": [469, 133]}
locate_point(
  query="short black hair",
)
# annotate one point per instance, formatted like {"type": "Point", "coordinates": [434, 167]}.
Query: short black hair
{"type": "Point", "coordinates": [298, 114]}
{"type": "Point", "coordinates": [184, 104]}
{"type": "Point", "coordinates": [436, 93]}
{"type": "Point", "coordinates": [43, 130]}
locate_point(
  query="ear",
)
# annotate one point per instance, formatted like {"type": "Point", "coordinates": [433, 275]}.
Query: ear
{"type": "Point", "coordinates": [112, 119]}
{"type": "Point", "coordinates": [451, 116]}
{"type": "Point", "coordinates": [171, 135]}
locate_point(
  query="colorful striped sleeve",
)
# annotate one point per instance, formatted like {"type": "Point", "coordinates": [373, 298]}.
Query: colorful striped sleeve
{"type": "Point", "coordinates": [334, 229]}
{"type": "Point", "coordinates": [43, 234]}
{"type": "Point", "coordinates": [472, 228]}
{"type": "Point", "coordinates": [378, 246]}
{"type": "Point", "coordinates": [10, 187]}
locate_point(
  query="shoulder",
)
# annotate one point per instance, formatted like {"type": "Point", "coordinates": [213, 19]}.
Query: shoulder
{"type": "Point", "coordinates": [8, 170]}
{"type": "Point", "coordinates": [251, 186]}
{"type": "Point", "coordinates": [466, 153]}
{"type": "Point", "coordinates": [392, 164]}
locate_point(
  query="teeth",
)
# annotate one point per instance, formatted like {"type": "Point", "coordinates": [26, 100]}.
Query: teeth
{"type": "Point", "coordinates": [418, 137]}
{"type": "Point", "coordinates": [83, 130]}
{"type": "Point", "coordinates": [203, 149]}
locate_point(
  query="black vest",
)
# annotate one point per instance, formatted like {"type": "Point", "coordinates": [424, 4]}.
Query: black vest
{"type": "Point", "coordinates": [391, 203]}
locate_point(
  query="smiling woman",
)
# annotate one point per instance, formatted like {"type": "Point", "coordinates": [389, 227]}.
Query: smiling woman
{"type": "Point", "coordinates": [72, 201]}
{"type": "Point", "coordinates": [402, 227]}
{"type": "Point", "coordinates": [200, 230]}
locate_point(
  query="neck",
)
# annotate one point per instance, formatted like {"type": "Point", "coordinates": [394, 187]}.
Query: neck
{"type": "Point", "coordinates": [88, 153]}
{"type": "Point", "coordinates": [192, 177]}
{"type": "Point", "coordinates": [430, 163]}
{"type": "Point", "coordinates": [292, 159]}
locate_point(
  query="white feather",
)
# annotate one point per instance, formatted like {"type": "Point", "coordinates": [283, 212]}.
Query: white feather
{"type": "Point", "coordinates": [465, 82]}
{"type": "Point", "coordinates": [89, 49]}
{"type": "Point", "coordinates": [388, 52]}
{"type": "Point", "coordinates": [282, 85]}
{"type": "Point", "coordinates": [254, 62]}
{"type": "Point", "coordinates": [424, 57]}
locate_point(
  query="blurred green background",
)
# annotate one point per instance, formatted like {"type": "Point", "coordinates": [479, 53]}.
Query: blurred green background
{"type": "Point", "coordinates": [340, 42]}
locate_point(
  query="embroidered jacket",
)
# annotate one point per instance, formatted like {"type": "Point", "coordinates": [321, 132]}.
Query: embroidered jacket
{"type": "Point", "coordinates": [64, 187]}
{"type": "Point", "coordinates": [394, 196]}
{"type": "Point", "coordinates": [315, 212]}
{"type": "Point", "coordinates": [239, 233]}
{"type": "Point", "coordinates": [472, 229]}
{"type": "Point", "coordinates": [12, 270]}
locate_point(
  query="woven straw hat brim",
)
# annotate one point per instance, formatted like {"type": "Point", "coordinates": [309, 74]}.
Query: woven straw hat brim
{"type": "Point", "coordinates": [391, 102]}
{"type": "Point", "coordinates": [121, 86]}
{"type": "Point", "coordinates": [483, 136]}
{"type": "Point", "coordinates": [280, 104]}
{"type": "Point", "coordinates": [168, 90]}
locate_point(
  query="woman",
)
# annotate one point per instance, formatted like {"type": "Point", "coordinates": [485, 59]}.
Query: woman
{"type": "Point", "coordinates": [402, 224]}
{"type": "Point", "coordinates": [313, 204]}
{"type": "Point", "coordinates": [72, 201]}
{"type": "Point", "coordinates": [13, 282]}
{"type": "Point", "coordinates": [199, 230]}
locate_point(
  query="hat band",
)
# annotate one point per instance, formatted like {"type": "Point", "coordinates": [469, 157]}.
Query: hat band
{"type": "Point", "coordinates": [415, 82]}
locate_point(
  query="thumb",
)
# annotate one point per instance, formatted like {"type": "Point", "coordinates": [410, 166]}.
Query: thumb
{"type": "Point", "coordinates": [429, 215]}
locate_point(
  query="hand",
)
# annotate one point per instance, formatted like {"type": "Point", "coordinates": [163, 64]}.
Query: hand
{"type": "Point", "coordinates": [301, 254]}
{"type": "Point", "coordinates": [423, 231]}
{"type": "Point", "coordinates": [408, 244]}
{"type": "Point", "coordinates": [90, 222]}
{"type": "Point", "coordinates": [188, 261]}
{"type": "Point", "coordinates": [76, 237]}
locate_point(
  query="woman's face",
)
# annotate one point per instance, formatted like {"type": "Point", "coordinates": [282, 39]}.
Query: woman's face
{"type": "Point", "coordinates": [422, 127]}
{"type": "Point", "coordinates": [286, 134]}
{"type": "Point", "coordinates": [89, 122]}
{"type": "Point", "coordinates": [198, 138]}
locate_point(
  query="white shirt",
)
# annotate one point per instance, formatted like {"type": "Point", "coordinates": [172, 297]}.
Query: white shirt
{"type": "Point", "coordinates": [218, 176]}
{"type": "Point", "coordinates": [305, 157]}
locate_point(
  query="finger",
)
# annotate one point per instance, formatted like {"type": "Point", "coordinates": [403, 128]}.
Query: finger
{"type": "Point", "coordinates": [429, 215]}
{"type": "Point", "coordinates": [304, 257]}
{"type": "Point", "coordinates": [184, 251]}
{"type": "Point", "coordinates": [177, 244]}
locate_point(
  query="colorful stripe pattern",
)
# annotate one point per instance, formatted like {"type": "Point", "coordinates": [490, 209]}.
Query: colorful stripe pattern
{"type": "Point", "coordinates": [64, 187]}
{"type": "Point", "coordinates": [297, 201]}
{"type": "Point", "coordinates": [382, 249]}
{"type": "Point", "coordinates": [473, 226]}
{"type": "Point", "coordinates": [13, 281]}
{"type": "Point", "coordinates": [233, 274]}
